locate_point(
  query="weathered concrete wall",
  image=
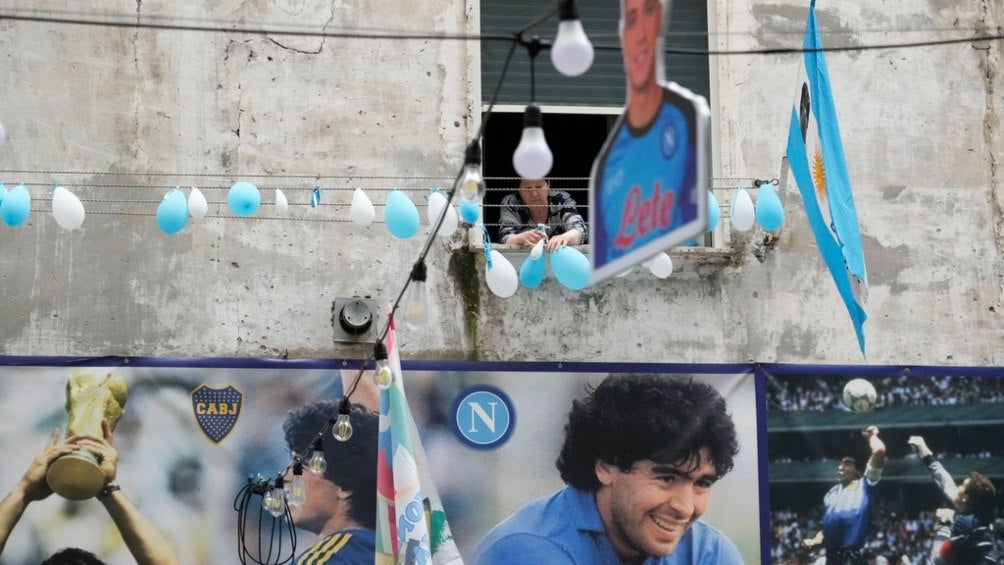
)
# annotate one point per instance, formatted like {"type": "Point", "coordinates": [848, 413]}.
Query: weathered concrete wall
{"type": "Point", "coordinates": [920, 128]}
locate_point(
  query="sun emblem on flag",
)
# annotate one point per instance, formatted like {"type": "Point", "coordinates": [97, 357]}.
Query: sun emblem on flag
{"type": "Point", "coordinates": [818, 173]}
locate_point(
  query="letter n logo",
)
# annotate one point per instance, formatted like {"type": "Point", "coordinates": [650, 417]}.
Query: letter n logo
{"type": "Point", "coordinates": [216, 410]}
{"type": "Point", "coordinates": [483, 417]}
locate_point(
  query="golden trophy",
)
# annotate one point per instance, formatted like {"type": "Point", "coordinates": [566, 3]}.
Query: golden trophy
{"type": "Point", "coordinates": [77, 475]}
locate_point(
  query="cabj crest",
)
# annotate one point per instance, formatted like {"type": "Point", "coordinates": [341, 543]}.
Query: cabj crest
{"type": "Point", "coordinates": [217, 410]}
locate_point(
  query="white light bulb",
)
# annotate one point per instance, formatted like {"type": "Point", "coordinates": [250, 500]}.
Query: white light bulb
{"type": "Point", "coordinates": [532, 158]}
{"type": "Point", "coordinates": [383, 376]}
{"type": "Point", "coordinates": [572, 53]}
{"type": "Point", "coordinates": [471, 185]}
{"type": "Point", "coordinates": [275, 500]}
{"type": "Point", "coordinates": [296, 490]}
{"type": "Point", "coordinates": [317, 463]}
{"type": "Point", "coordinates": [416, 307]}
{"type": "Point", "coordinates": [342, 430]}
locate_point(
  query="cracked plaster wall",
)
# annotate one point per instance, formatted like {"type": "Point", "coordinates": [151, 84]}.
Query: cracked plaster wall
{"type": "Point", "coordinates": [920, 128]}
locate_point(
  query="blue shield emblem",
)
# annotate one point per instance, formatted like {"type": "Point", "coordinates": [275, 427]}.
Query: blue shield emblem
{"type": "Point", "coordinates": [216, 410]}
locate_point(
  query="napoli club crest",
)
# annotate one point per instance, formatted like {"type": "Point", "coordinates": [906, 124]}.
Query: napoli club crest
{"type": "Point", "coordinates": [217, 410]}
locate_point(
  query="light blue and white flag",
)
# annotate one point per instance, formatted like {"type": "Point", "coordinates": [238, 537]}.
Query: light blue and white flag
{"type": "Point", "coordinates": [816, 158]}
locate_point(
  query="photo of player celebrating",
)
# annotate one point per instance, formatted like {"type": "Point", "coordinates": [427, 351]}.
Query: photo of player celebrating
{"type": "Point", "coordinates": [932, 424]}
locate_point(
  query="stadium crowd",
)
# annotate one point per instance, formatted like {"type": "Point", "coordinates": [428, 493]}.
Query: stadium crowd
{"type": "Point", "coordinates": [799, 393]}
{"type": "Point", "coordinates": [894, 539]}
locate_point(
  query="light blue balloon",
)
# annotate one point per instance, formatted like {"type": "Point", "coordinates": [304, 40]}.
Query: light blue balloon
{"type": "Point", "coordinates": [172, 214]}
{"type": "Point", "coordinates": [469, 211]}
{"type": "Point", "coordinates": [531, 272]}
{"type": "Point", "coordinates": [714, 211]}
{"type": "Point", "coordinates": [769, 212]}
{"type": "Point", "coordinates": [570, 267]}
{"type": "Point", "coordinates": [401, 215]}
{"type": "Point", "coordinates": [243, 198]}
{"type": "Point", "coordinates": [16, 206]}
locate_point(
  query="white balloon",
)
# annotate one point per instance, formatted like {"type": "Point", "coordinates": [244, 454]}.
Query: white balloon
{"type": "Point", "coordinates": [450, 223]}
{"type": "Point", "coordinates": [67, 209]}
{"type": "Point", "coordinates": [538, 250]}
{"type": "Point", "coordinates": [281, 204]}
{"type": "Point", "coordinates": [197, 205]}
{"type": "Point", "coordinates": [362, 211]}
{"type": "Point", "coordinates": [3, 134]}
{"type": "Point", "coordinates": [743, 213]}
{"type": "Point", "coordinates": [502, 278]}
{"type": "Point", "coordinates": [661, 265]}
{"type": "Point", "coordinates": [625, 272]}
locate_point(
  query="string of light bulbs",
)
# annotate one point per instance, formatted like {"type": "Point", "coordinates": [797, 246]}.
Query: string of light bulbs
{"type": "Point", "coordinates": [470, 184]}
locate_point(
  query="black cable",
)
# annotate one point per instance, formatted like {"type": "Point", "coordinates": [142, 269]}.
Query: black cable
{"type": "Point", "coordinates": [483, 37]}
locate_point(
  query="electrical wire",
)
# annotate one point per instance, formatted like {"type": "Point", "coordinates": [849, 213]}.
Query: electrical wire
{"type": "Point", "coordinates": [149, 23]}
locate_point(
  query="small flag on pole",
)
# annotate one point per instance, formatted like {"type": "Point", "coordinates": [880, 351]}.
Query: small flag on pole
{"type": "Point", "coordinates": [411, 523]}
{"type": "Point", "coordinates": [816, 157]}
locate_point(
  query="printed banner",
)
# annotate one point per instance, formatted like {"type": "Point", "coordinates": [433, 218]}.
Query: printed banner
{"type": "Point", "coordinates": [479, 443]}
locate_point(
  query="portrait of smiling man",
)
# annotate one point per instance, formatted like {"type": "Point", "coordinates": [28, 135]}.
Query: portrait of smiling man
{"type": "Point", "coordinates": [640, 458]}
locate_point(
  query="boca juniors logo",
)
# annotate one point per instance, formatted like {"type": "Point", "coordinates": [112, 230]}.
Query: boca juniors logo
{"type": "Point", "coordinates": [216, 410]}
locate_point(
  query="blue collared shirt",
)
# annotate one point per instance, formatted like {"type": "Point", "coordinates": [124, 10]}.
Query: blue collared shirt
{"type": "Point", "coordinates": [566, 528]}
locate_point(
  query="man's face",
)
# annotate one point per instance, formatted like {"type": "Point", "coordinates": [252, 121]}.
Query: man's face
{"type": "Point", "coordinates": [315, 510]}
{"type": "Point", "coordinates": [533, 192]}
{"type": "Point", "coordinates": [846, 472]}
{"type": "Point", "coordinates": [961, 497]}
{"type": "Point", "coordinates": [648, 509]}
{"type": "Point", "coordinates": [642, 27]}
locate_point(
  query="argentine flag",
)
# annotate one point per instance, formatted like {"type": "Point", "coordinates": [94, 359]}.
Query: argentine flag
{"type": "Point", "coordinates": [816, 158]}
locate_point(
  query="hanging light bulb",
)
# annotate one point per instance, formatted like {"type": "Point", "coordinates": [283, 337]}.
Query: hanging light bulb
{"type": "Point", "coordinates": [342, 428]}
{"type": "Point", "coordinates": [275, 500]}
{"type": "Point", "coordinates": [382, 374]}
{"type": "Point", "coordinates": [296, 491]}
{"type": "Point", "coordinates": [532, 158]}
{"type": "Point", "coordinates": [572, 53]}
{"type": "Point", "coordinates": [416, 305]}
{"type": "Point", "coordinates": [317, 463]}
{"type": "Point", "coordinates": [470, 184]}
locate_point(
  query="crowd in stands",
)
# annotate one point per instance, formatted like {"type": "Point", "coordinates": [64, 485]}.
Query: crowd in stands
{"type": "Point", "coordinates": [894, 539]}
{"type": "Point", "coordinates": [800, 393]}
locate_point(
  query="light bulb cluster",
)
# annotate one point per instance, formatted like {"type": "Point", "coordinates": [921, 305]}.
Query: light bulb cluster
{"type": "Point", "coordinates": [572, 54]}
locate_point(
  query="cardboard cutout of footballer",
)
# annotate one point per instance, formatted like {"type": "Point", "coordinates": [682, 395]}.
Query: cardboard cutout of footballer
{"type": "Point", "coordinates": [648, 182]}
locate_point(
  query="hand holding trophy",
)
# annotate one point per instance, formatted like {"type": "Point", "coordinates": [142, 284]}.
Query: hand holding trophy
{"type": "Point", "coordinates": [78, 475]}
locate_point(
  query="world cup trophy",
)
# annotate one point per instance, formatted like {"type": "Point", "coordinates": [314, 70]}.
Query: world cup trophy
{"type": "Point", "coordinates": [77, 475]}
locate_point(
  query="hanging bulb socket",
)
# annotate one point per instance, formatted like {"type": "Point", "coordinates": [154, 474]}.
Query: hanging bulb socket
{"type": "Point", "coordinates": [275, 500]}
{"type": "Point", "coordinates": [471, 184]}
{"type": "Point", "coordinates": [296, 491]}
{"type": "Point", "coordinates": [572, 53]}
{"type": "Point", "coordinates": [532, 158]}
{"type": "Point", "coordinates": [341, 428]}
{"type": "Point", "coordinates": [317, 463]}
{"type": "Point", "coordinates": [416, 306]}
{"type": "Point", "coordinates": [382, 374]}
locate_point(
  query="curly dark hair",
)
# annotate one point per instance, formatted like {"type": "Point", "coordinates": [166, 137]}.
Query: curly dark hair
{"type": "Point", "coordinates": [634, 417]}
{"type": "Point", "coordinates": [73, 556]}
{"type": "Point", "coordinates": [982, 496]}
{"type": "Point", "coordinates": [351, 464]}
